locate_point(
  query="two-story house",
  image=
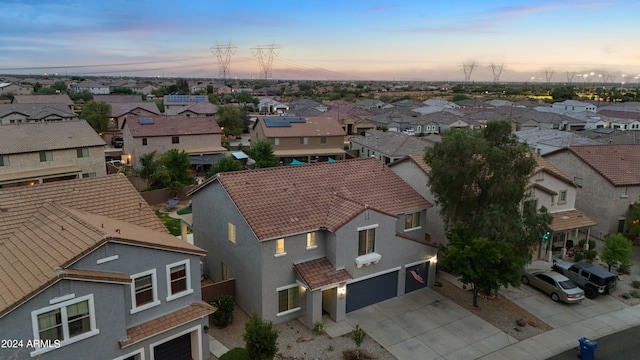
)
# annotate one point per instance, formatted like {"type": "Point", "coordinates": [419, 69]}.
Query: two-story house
{"type": "Point", "coordinates": [51, 151]}
{"type": "Point", "coordinates": [197, 136]}
{"type": "Point", "coordinates": [302, 240]}
{"type": "Point", "coordinates": [44, 99]}
{"type": "Point", "coordinates": [298, 139]}
{"type": "Point", "coordinates": [88, 271]}
{"type": "Point", "coordinates": [388, 146]}
{"type": "Point", "coordinates": [557, 192]}
{"type": "Point", "coordinates": [608, 180]}
{"type": "Point", "coordinates": [29, 113]}
{"type": "Point", "coordinates": [175, 103]}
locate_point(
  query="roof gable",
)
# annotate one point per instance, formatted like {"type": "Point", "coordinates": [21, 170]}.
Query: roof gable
{"type": "Point", "coordinates": [54, 135]}
{"type": "Point", "coordinates": [618, 163]}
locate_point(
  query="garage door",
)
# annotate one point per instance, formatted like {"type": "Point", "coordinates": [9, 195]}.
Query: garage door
{"type": "Point", "coordinates": [416, 277]}
{"type": "Point", "coordinates": [371, 291]}
{"type": "Point", "coordinates": [176, 349]}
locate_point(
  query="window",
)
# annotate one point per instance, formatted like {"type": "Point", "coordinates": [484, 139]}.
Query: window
{"type": "Point", "coordinates": [578, 180]}
{"type": "Point", "coordinates": [275, 141]}
{"type": "Point", "coordinates": [412, 221]}
{"type": "Point", "coordinates": [46, 156]}
{"type": "Point", "coordinates": [175, 140]}
{"type": "Point", "coordinates": [4, 160]}
{"type": "Point", "coordinates": [311, 241]}
{"type": "Point", "coordinates": [323, 140]}
{"type": "Point", "coordinates": [366, 241]}
{"type": "Point", "coordinates": [178, 280]}
{"type": "Point", "coordinates": [144, 141]}
{"type": "Point", "coordinates": [304, 140]}
{"type": "Point", "coordinates": [623, 192]}
{"type": "Point", "coordinates": [288, 299]}
{"type": "Point", "coordinates": [280, 247]}
{"type": "Point", "coordinates": [226, 272]}
{"type": "Point", "coordinates": [67, 322]}
{"type": "Point", "coordinates": [563, 196]}
{"type": "Point", "coordinates": [88, 175]}
{"type": "Point", "coordinates": [144, 292]}
{"type": "Point", "coordinates": [83, 152]}
{"type": "Point", "coordinates": [231, 230]}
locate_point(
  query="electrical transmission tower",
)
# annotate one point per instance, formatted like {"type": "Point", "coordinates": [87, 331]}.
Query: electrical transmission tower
{"type": "Point", "coordinates": [497, 71]}
{"type": "Point", "coordinates": [468, 69]}
{"type": "Point", "coordinates": [548, 74]}
{"type": "Point", "coordinates": [265, 54]}
{"type": "Point", "coordinates": [570, 76]}
{"type": "Point", "coordinates": [224, 52]}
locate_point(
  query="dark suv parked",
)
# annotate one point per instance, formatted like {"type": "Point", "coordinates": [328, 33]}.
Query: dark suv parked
{"type": "Point", "coordinates": [117, 141]}
{"type": "Point", "coordinates": [591, 278]}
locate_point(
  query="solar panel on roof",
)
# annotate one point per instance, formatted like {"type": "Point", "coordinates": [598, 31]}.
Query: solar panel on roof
{"type": "Point", "coordinates": [282, 121]}
{"type": "Point", "coordinates": [185, 98]}
{"type": "Point", "coordinates": [145, 121]}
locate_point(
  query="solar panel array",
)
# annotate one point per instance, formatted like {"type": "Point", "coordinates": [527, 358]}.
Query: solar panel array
{"type": "Point", "coordinates": [185, 98]}
{"type": "Point", "coordinates": [145, 121]}
{"type": "Point", "coordinates": [282, 121]}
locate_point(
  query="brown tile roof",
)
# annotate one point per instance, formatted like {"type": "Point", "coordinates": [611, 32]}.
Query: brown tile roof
{"type": "Point", "coordinates": [544, 165]}
{"type": "Point", "coordinates": [46, 227]}
{"type": "Point", "coordinates": [120, 109]}
{"type": "Point", "coordinates": [43, 99]}
{"type": "Point", "coordinates": [94, 275]}
{"type": "Point", "coordinates": [173, 125]}
{"type": "Point", "coordinates": [288, 200]}
{"type": "Point", "coordinates": [618, 163]}
{"type": "Point", "coordinates": [313, 126]}
{"type": "Point", "coordinates": [321, 272]}
{"type": "Point", "coordinates": [418, 159]}
{"type": "Point", "coordinates": [43, 136]}
{"type": "Point", "coordinates": [568, 220]}
{"type": "Point", "coordinates": [158, 325]}
{"type": "Point", "coordinates": [114, 99]}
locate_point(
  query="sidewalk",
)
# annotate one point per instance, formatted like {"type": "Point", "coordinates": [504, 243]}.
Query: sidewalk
{"type": "Point", "coordinates": [564, 338]}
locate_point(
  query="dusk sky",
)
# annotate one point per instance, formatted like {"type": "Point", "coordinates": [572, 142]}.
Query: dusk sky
{"type": "Point", "coordinates": [324, 40]}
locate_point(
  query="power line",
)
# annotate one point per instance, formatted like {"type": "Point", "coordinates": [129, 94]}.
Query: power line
{"type": "Point", "coordinates": [497, 71]}
{"type": "Point", "coordinates": [224, 52]}
{"type": "Point", "coordinates": [549, 74]}
{"type": "Point", "coordinates": [468, 69]}
{"type": "Point", "coordinates": [265, 54]}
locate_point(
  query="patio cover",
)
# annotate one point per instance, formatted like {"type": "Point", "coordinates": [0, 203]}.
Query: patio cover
{"type": "Point", "coordinates": [569, 220]}
{"type": "Point", "coordinates": [205, 159]}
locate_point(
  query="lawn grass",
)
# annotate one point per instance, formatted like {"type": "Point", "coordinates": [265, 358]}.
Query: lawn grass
{"type": "Point", "coordinates": [172, 224]}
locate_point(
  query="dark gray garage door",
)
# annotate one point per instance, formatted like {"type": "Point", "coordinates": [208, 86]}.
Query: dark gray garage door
{"type": "Point", "coordinates": [416, 277]}
{"type": "Point", "coordinates": [176, 349]}
{"type": "Point", "coordinates": [371, 291]}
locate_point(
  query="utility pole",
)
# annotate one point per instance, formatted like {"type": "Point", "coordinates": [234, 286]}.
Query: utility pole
{"type": "Point", "coordinates": [468, 69]}
{"type": "Point", "coordinates": [497, 71]}
{"type": "Point", "coordinates": [265, 54]}
{"type": "Point", "coordinates": [570, 76]}
{"type": "Point", "coordinates": [224, 52]}
{"type": "Point", "coordinates": [548, 74]}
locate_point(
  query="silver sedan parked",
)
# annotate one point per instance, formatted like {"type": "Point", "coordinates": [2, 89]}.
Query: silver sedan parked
{"type": "Point", "coordinates": [554, 284]}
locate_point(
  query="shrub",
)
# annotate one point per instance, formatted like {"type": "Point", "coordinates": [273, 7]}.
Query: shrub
{"type": "Point", "coordinates": [590, 255]}
{"type": "Point", "coordinates": [635, 293]}
{"type": "Point", "coordinates": [624, 268]}
{"type": "Point", "coordinates": [224, 315]}
{"type": "Point", "coordinates": [578, 255]}
{"type": "Point", "coordinates": [636, 284]}
{"type": "Point", "coordinates": [583, 242]}
{"type": "Point", "coordinates": [260, 338]}
{"type": "Point", "coordinates": [318, 328]}
{"type": "Point", "coordinates": [358, 336]}
{"type": "Point", "coordinates": [236, 354]}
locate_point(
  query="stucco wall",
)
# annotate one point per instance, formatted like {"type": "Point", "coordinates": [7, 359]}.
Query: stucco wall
{"type": "Point", "coordinates": [68, 157]}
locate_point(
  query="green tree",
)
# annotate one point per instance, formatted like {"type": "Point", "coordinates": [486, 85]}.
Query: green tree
{"type": "Point", "coordinates": [121, 90]}
{"type": "Point", "coordinates": [617, 250]}
{"type": "Point", "coordinates": [177, 163]}
{"type": "Point", "coordinates": [564, 93]}
{"type": "Point", "coordinates": [632, 223]}
{"type": "Point", "coordinates": [358, 335]}
{"type": "Point", "coordinates": [85, 96]}
{"type": "Point", "coordinates": [182, 87]}
{"type": "Point", "coordinates": [262, 153]}
{"type": "Point", "coordinates": [244, 97]}
{"type": "Point", "coordinates": [260, 338]}
{"type": "Point", "coordinates": [97, 115]}
{"type": "Point", "coordinates": [225, 164]}
{"type": "Point", "coordinates": [230, 120]}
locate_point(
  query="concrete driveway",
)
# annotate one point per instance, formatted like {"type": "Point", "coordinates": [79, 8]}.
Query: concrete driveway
{"type": "Point", "coordinates": [423, 325]}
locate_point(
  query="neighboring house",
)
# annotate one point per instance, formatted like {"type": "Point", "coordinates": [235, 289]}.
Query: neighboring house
{"type": "Point", "coordinates": [303, 240]}
{"type": "Point", "coordinates": [91, 86]}
{"type": "Point", "coordinates": [608, 180]}
{"type": "Point", "coordinates": [296, 140]}
{"type": "Point", "coordinates": [387, 146]}
{"type": "Point", "coordinates": [269, 106]}
{"type": "Point", "coordinates": [197, 136]}
{"type": "Point", "coordinates": [118, 98]}
{"type": "Point", "coordinates": [89, 271]}
{"type": "Point", "coordinates": [557, 192]}
{"type": "Point", "coordinates": [415, 171]}
{"type": "Point", "coordinates": [544, 140]}
{"type": "Point", "coordinates": [574, 106]}
{"type": "Point", "coordinates": [202, 109]}
{"type": "Point", "coordinates": [120, 111]}
{"type": "Point", "coordinates": [31, 113]}
{"type": "Point", "coordinates": [350, 116]}
{"type": "Point", "coordinates": [175, 103]}
{"type": "Point", "coordinates": [15, 89]}
{"type": "Point", "coordinates": [144, 89]}
{"type": "Point", "coordinates": [50, 151]}
{"type": "Point", "coordinates": [44, 99]}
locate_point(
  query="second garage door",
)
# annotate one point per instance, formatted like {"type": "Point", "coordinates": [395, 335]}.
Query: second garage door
{"type": "Point", "coordinates": [176, 349]}
{"type": "Point", "coordinates": [371, 291]}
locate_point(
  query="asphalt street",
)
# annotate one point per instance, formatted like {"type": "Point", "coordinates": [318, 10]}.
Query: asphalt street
{"type": "Point", "coordinates": [624, 345]}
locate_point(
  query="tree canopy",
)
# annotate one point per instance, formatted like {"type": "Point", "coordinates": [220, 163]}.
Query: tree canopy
{"type": "Point", "coordinates": [262, 153]}
{"type": "Point", "coordinates": [225, 164]}
{"type": "Point", "coordinates": [169, 170]}
{"type": "Point", "coordinates": [230, 120]}
{"type": "Point", "coordinates": [617, 250]}
{"type": "Point", "coordinates": [479, 179]}
{"type": "Point", "coordinates": [97, 115]}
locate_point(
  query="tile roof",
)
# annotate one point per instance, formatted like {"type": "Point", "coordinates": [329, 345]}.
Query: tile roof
{"type": "Point", "coordinates": [313, 126]}
{"type": "Point", "coordinates": [172, 125]}
{"type": "Point", "coordinates": [122, 108]}
{"type": "Point", "coordinates": [568, 220]}
{"type": "Point", "coordinates": [43, 99]}
{"type": "Point", "coordinates": [38, 111]}
{"type": "Point", "coordinates": [321, 272]}
{"type": "Point", "coordinates": [172, 320]}
{"type": "Point", "coordinates": [619, 163]}
{"type": "Point", "coordinates": [294, 199]}
{"type": "Point", "coordinates": [544, 165]}
{"type": "Point", "coordinates": [199, 108]}
{"type": "Point", "coordinates": [392, 143]}
{"type": "Point", "coordinates": [115, 99]}
{"type": "Point", "coordinates": [56, 135]}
